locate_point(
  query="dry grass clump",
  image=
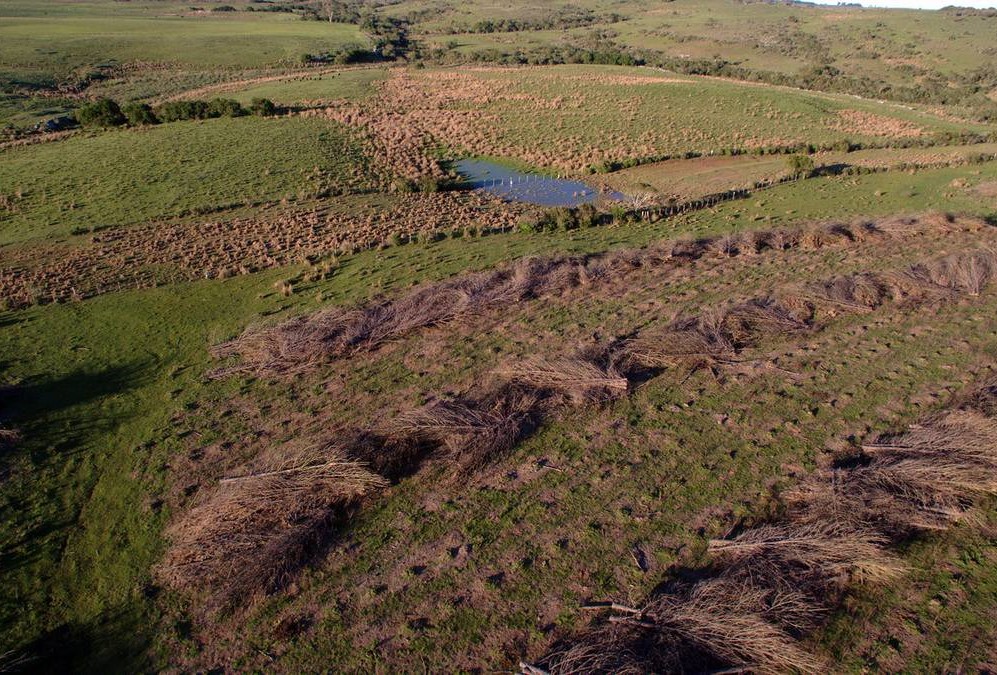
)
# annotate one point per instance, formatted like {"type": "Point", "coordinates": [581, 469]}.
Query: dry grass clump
{"type": "Point", "coordinates": [255, 531]}
{"type": "Point", "coordinates": [304, 342]}
{"type": "Point", "coordinates": [967, 272]}
{"type": "Point", "coordinates": [925, 479]}
{"type": "Point", "coordinates": [810, 552]}
{"type": "Point", "coordinates": [580, 379]}
{"type": "Point", "coordinates": [697, 627]}
{"type": "Point", "coordinates": [473, 432]}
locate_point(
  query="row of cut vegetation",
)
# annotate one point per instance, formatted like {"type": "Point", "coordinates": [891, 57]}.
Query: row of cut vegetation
{"type": "Point", "coordinates": [251, 534]}
{"type": "Point", "coordinates": [304, 342]}
{"type": "Point", "coordinates": [768, 588]}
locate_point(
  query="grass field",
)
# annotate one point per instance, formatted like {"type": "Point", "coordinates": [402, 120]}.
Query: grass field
{"type": "Point", "coordinates": [350, 85]}
{"type": "Point", "coordinates": [891, 45]}
{"type": "Point", "coordinates": [572, 117]}
{"type": "Point", "coordinates": [77, 565]}
{"type": "Point", "coordinates": [58, 46]}
{"type": "Point", "coordinates": [131, 176]}
{"type": "Point", "coordinates": [691, 178]}
{"type": "Point", "coordinates": [242, 428]}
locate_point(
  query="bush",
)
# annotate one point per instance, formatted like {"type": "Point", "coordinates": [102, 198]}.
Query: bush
{"type": "Point", "coordinates": [564, 219]}
{"type": "Point", "coordinates": [262, 106]}
{"type": "Point", "coordinates": [800, 165]}
{"type": "Point", "coordinates": [101, 113]}
{"type": "Point", "coordinates": [528, 226]}
{"type": "Point", "coordinates": [587, 215]}
{"type": "Point", "coordinates": [225, 107]}
{"type": "Point", "coordinates": [175, 111]}
{"type": "Point", "coordinates": [139, 114]}
{"type": "Point", "coordinates": [428, 184]}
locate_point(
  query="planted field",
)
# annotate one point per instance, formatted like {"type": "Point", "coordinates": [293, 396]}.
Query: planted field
{"type": "Point", "coordinates": [350, 85]}
{"type": "Point", "coordinates": [690, 178]}
{"type": "Point", "coordinates": [131, 176]}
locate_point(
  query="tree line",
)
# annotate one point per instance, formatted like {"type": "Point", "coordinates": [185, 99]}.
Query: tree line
{"type": "Point", "coordinates": [106, 112]}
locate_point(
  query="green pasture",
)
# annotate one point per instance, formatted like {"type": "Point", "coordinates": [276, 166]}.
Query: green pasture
{"type": "Point", "coordinates": [126, 176]}
{"type": "Point", "coordinates": [351, 85]}
{"type": "Point", "coordinates": [61, 45]}
{"type": "Point", "coordinates": [100, 380]}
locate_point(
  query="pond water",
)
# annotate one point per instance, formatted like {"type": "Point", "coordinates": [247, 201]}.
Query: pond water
{"type": "Point", "coordinates": [532, 188]}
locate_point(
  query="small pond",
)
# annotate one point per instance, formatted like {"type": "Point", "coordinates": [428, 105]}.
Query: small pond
{"type": "Point", "coordinates": [532, 188]}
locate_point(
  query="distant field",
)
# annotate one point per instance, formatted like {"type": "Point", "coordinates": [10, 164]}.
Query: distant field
{"type": "Point", "coordinates": [688, 178]}
{"type": "Point", "coordinates": [352, 85]}
{"type": "Point", "coordinates": [572, 117]}
{"type": "Point", "coordinates": [219, 40]}
{"type": "Point", "coordinates": [891, 45]}
{"type": "Point", "coordinates": [129, 176]}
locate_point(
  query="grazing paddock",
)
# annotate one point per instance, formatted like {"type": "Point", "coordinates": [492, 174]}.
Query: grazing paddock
{"type": "Point", "coordinates": [684, 179]}
{"type": "Point", "coordinates": [530, 450]}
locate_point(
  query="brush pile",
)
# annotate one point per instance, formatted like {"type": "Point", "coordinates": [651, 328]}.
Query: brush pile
{"type": "Point", "coordinates": [771, 585]}
{"type": "Point", "coordinates": [254, 532]}
{"type": "Point", "coordinates": [251, 534]}
{"type": "Point", "coordinates": [305, 342]}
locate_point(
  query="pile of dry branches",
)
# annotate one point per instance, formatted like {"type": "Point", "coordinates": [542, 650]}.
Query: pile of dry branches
{"type": "Point", "coordinates": [719, 335]}
{"type": "Point", "coordinates": [304, 342]}
{"type": "Point", "coordinates": [253, 533]}
{"type": "Point", "coordinates": [774, 583]}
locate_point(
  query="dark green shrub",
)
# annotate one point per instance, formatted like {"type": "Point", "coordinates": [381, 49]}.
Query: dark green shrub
{"type": "Point", "coordinates": [800, 165]}
{"type": "Point", "coordinates": [528, 226]}
{"type": "Point", "coordinates": [225, 107]}
{"type": "Point", "coordinates": [564, 219]}
{"type": "Point", "coordinates": [262, 106]}
{"type": "Point", "coordinates": [139, 114]}
{"type": "Point", "coordinates": [428, 184]}
{"type": "Point", "coordinates": [101, 113]}
{"type": "Point", "coordinates": [175, 111]}
{"type": "Point", "coordinates": [587, 215]}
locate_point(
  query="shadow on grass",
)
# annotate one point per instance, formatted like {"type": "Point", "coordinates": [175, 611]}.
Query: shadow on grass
{"type": "Point", "coordinates": [115, 642]}
{"type": "Point", "coordinates": [43, 410]}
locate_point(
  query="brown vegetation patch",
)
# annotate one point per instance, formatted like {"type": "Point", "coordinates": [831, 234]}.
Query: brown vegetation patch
{"type": "Point", "coordinates": [871, 124]}
{"type": "Point", "coordinates": [159, 253]}
{"type": "Point", "coordinates": [258, 528]}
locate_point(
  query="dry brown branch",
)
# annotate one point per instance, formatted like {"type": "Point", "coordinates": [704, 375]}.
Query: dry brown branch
{"type": "Point", "coordinates": [827, 550]}
{"type": "Point", "coordinates": [474, 432]}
